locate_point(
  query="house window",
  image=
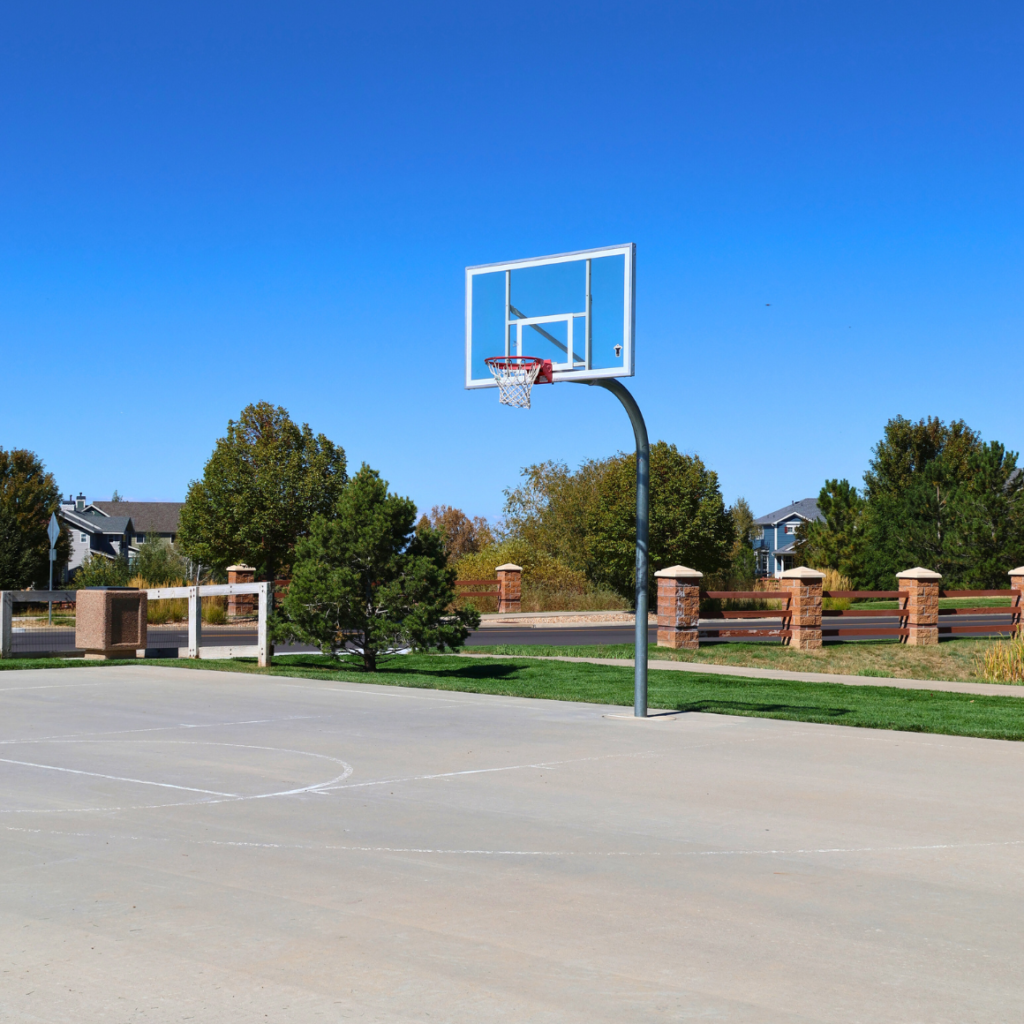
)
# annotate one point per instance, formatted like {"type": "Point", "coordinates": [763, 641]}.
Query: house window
{"type": "Point", "coordinates": [790, 528]}
{"type": "Point", "coordinates": [85, 539]}
{"type": "Point", "coordinates": [140, 538]}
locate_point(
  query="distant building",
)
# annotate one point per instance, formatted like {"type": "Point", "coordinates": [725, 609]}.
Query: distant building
{"type": "Point", "coordinates": [113, 529]}
{"type": "Point", "coordinates": [774, 549]}
{"type": "Point", "coordinates": [152, 519]}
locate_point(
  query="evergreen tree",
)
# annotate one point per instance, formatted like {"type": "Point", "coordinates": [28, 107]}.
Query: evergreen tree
{"type": "Point", "coordinates": [367, 575]}
{"type": "Point", "coordinates": [262, 486]}
{"type": "Point", "coordinates": [835, 542]}
{"type": "Point", "coordinates": [742, 560]}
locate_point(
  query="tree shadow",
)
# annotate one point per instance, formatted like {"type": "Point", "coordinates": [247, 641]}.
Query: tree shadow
{"type": "Point", "coordinates": [712, 706]}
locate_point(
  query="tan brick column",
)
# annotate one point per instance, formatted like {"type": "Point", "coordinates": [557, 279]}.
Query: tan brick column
{"type": "Point", "coordinates": [241, 604]}
{"type": "Point", "coordinates": [803, 586]}
{"type": "Point", "coordinates": [1017, 586]}
{"type": "Point", "coordinates": [510, 588]}
{"type": "Point", "coordinates": [678, 607]}
{"type": "Point", "coordinates": [110, 622]}
{"type": "Point", "coordinates": [922, 605]}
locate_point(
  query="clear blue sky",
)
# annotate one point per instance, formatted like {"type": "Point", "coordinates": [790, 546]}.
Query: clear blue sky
{"type": "Point", "coordinates": [208, 204]}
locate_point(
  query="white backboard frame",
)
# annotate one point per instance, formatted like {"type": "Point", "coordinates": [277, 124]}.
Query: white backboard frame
{"type": "Point", "coordinates": [515, 322]}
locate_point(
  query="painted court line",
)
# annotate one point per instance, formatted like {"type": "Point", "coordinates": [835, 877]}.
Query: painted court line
{"type": "Point", "coordinates": [118, 778]}
{"type": "Point", "coordinates": [475, 852]}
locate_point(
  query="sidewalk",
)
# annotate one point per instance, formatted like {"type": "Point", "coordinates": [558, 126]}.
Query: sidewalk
{"type": "Point", "coordinates": [741, 671]}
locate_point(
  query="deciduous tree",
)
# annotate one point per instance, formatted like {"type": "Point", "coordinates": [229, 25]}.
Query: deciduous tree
{"type": "Point", "coordinates": [28, 497]}
{"type": "Point", "coordinates": [261, 488]}
{"type": "Point", "coordinates": [689, 523]}
{"type": "Point", "coordinates": [462, 535]}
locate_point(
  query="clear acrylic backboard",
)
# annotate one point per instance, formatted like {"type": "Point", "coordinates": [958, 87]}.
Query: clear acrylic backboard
{"type": "Point", "coordinates": [575, 309]}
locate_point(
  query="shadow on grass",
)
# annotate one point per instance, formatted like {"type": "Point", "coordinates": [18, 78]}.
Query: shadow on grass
{"type": "Point", "coordinates": [394, 667]}
{"type": "Point", "coordinates": [738, 707]}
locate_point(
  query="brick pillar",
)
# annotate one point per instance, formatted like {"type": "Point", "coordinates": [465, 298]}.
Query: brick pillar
{"type": "Point", "coordinates": [1017, 588]}
{"type": "Point", "coordinates": [678, 607]}
{"type": "Point", "coordinates": [241, 604]}
{"type": "Point", "coordinates": [510, 588]}
{"type": "Point", "coordinates": [110, 622]}
{"type": "Point", "coordinates": [921, 604]}
{"type": "Point", "coordinates": [803, 586]}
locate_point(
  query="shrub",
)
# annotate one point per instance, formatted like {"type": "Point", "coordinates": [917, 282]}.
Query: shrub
{"type": "Point", "coordinates": [1004, 662]}
{"type": "Point", "coordinates": [100, 571]}
{"type": "Point", "coordinates": [160, 564]}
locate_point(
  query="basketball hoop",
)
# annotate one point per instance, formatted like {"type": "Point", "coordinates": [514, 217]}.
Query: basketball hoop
{"type": "Point", "coordinates": [516, 375]}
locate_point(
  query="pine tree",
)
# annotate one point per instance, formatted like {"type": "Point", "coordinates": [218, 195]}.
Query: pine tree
{"type": "Point", "coordinates": [368, 576]}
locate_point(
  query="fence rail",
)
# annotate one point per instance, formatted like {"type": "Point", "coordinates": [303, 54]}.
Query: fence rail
{"type": "Point", "coordinates": [26, 638]}
{"type": "Point", "coordinates": [836, 629]}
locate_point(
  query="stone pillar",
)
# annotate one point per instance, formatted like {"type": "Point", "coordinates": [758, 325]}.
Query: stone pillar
{"type": "Point", "coordinates": [921, 604]}
{"type": "Point", "coordinates": [803, 587]}
{"type": "Point", "coordinates": [678, 607]}
{"type": "Point", "coordinates": [510, 588]}
{"type": "Point", "coordinates": [110, 622]}
{"type": "Point", "coordinates": [1017, 596]}
{"type": "Point", "coordinates": [241, 604]}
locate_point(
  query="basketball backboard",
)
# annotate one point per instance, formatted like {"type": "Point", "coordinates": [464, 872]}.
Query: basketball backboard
{"type": "Point", "coordinates": [575, 309]}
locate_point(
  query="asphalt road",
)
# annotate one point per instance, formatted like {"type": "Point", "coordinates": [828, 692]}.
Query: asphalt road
{"type": "Point", "coordinates": [555, 636]}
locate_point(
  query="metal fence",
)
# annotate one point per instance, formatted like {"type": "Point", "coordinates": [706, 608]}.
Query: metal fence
{"type": "Point", "coordinates": [26, 629]}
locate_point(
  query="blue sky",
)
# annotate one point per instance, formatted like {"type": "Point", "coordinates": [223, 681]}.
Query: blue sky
{"type": "Point", "coordinates": [204, 205]}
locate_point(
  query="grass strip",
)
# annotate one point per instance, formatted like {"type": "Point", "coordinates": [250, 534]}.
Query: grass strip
{"type": "Point", "coordinates": [867, 707]}
{"type": "Point", "coordinates": [959, 659]}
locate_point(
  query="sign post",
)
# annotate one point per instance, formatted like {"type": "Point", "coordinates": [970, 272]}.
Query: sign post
{"type": "Point", "coordinates": [53, 532]}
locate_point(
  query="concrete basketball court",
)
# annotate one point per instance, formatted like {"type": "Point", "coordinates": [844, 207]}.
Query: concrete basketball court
{"type": "Point", "coordinates": [198, 845]}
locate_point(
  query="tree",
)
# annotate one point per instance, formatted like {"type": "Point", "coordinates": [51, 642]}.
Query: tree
{"type": "Point", "coordinates": [834, 542]}
{"type": "Point", "coordinates": [934, 495]}
{"type": "Point", "coordinates": [907, 447]}
{"type": "Point", "coordinates": [261, 488]}
{"type": "Point", "coordinates": [17, 562]}
{"type": "Point", "coordinates": [367, 570]}
{"type": "Point", "coordinates": [689, 524]}
{"type": "Point", "coordinates": [28, 497]}
{"type": "Point", "coordinates": [961, 520]}
{"type": "Point", "coordinates": [742, 560]}
{"type": "Point", "coordinates": [462, 535]}
{"type": "Point", "coordinates": [115, 498]}
{"type": "Point", "coordinates": [552, 510]}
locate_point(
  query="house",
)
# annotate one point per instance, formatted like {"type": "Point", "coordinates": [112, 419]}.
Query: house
{"type": "Point", "coordinates": [152, 519]}
{"type": "Point", "coordinates": [95, 533]}
{"type": "Point", "coordinates": [774, 549]}
{"type": "Point", "coordinates": [116, 528]}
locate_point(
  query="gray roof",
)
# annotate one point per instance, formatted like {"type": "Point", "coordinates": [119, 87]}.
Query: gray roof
{"type": "Point", "coordinates": [148, 516]}
{"type": "Point", "coordinates": [806, 508]}
{"type": "Point", "coordinates": [94, 522]}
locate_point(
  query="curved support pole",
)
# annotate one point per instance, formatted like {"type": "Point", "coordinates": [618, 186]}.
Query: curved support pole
{"type": "Point", "coordinates": [643, 504]}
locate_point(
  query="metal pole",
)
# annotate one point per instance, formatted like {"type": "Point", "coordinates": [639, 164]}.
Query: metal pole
{"type": "Point", "coordinates": [49, 614]}
{"type": "Point", "coordinates": [643, 505]}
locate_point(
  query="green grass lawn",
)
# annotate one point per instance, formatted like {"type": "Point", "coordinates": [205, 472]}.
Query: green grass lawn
{"type": "Point", "coordinates": [868, 707]}
{"type": "Point", "coordinates": [944, 602]}
{"type": "Point", "coordinates": [958, 659]}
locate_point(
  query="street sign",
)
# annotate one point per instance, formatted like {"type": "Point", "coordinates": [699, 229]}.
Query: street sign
{"type": "Point", "coordinates": [53, 530]}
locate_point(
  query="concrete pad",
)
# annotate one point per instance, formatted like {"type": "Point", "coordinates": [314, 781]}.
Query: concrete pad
{"type": "Point", "coordinates": [194, 844]}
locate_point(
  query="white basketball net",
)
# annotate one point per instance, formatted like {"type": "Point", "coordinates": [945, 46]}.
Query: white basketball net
{"type": "Point", "coordinates": [515, 376]}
